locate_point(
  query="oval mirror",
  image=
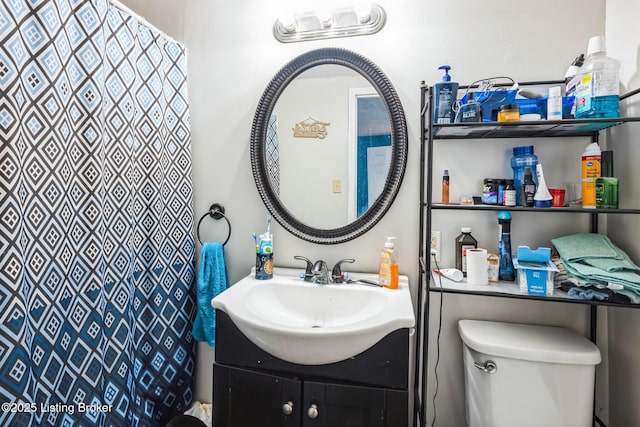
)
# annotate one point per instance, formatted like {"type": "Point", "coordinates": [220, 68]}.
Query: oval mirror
{"type": "Point", "coordinates": [329, 145]}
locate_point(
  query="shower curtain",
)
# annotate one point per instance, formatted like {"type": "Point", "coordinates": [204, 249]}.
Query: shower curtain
{"type": "Point", "coordinates": [96, 243]}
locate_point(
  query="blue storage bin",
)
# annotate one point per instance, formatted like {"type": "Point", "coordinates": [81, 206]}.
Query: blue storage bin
{"type": "Point", "coordinates": [491, 101]}
{"type": "Point", "coordinates": [532, 106]}
{"type": "Point", "coordinates": [539, 106]}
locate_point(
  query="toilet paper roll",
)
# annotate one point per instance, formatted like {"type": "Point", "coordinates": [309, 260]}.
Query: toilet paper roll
{"type": "Point", "coordinates": [477, 267]}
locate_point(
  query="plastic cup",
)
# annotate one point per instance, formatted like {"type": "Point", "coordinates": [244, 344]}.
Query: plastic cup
{"type": "Point", "coordinates": [557, 196]}
{"type": "Point", "coordinates": [574, 194]}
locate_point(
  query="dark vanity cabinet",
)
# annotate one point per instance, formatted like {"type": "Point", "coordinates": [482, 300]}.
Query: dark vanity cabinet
{"type": "Point", "coordinates": [254, 389]}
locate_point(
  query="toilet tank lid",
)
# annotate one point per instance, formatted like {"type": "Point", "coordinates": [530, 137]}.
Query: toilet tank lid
{"type": "Point", "coordinates": [528, 342]}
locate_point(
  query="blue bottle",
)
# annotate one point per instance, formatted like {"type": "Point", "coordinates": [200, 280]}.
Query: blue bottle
{"type": "Point", "coordinates": [506, 271]}
{"type": "Point", "coordinates": [522, 157]}
{"type": "Point", "coordinates": [445, 96]}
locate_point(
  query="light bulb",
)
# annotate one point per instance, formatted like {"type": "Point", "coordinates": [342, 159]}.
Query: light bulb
{"type": "Point", "coordinates": [288, 22]}
{"type": "Point", "coordinates": [364, 13]}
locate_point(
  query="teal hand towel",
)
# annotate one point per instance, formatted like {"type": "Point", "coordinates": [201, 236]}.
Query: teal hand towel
{"type": "Point", "coordinates": [595, 250]}
{"type": "Point", "coordinates": [576, 247]}
{"type": "Point", "coordinates": [212, 280]}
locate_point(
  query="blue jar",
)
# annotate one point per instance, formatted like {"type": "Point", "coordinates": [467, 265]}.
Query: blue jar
{"type": "Point", "coordinates": [522, 157]}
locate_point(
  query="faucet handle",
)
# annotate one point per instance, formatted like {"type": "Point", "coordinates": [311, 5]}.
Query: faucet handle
{"type": "Point", "coordinates": [308, 274]}
{"type": "Point", "coordinates": [336, 273]}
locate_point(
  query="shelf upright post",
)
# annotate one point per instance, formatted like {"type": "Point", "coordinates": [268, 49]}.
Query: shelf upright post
{"type": "Point", "coordinates": [424, 256]}
{"type": "Point", "coordinates": [421, 335]}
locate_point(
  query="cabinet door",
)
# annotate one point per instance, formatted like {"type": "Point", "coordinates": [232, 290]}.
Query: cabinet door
{"type": "Point", "coordinates": [338, 405]}
{"type": "Point", "coordinates": [244, 398]}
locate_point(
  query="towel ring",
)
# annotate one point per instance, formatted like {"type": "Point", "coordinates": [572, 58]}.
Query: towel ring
{"type": "Point", "coordinates": [216, 211]}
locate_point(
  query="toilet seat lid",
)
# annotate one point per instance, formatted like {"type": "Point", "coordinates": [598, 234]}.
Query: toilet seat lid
{"type": "Point", "coordinates": [549, 344]}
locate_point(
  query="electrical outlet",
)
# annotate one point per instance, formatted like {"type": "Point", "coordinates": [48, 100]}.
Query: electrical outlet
{"type": "Point", "coordinates": [337, 186]}
{"type": "Point", "coordinates": [435, 243]}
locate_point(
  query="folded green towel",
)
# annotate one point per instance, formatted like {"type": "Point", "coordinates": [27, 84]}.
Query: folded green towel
{"type": "Point", "coordinates": [628, 278]}
{"type": "Point", "coordinates": [593, 259]}
{"type": "Point", "coordinates": [577, 247]}
{"type": "Point", "coordinates": [611, 265]}
{"type": "Point", "coordinates": [595, 250]}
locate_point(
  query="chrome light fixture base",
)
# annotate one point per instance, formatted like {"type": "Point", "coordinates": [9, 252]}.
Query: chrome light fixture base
{"type": "Point", "coordinates": [344, 22]}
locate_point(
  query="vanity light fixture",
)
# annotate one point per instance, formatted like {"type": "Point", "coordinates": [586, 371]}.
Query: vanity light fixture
{"type": "Point", "coordinates": [343, 22]}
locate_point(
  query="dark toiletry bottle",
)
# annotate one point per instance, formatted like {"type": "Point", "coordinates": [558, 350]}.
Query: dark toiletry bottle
{"type": "Point", "coordinates": [469, 112]}
{"type": "Point", "coordinates": [528, 188]}
{"type": "Point", "coordinates": [506, 271]}
{"type": "Point", "coordinates": [464, 242]}
{"type": "Point", "coordinates": [522, 157]}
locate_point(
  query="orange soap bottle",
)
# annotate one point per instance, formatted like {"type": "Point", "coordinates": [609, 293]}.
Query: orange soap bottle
{"type": "Point", "coordinates": [388, 269]}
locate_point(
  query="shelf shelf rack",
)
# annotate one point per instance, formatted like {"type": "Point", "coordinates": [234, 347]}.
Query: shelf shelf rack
{"type": "Point", "coordinates": [537, 129]}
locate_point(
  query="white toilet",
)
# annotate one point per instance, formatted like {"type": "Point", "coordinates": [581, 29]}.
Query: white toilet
{"type": "Point", "coordinates": [527, 375]}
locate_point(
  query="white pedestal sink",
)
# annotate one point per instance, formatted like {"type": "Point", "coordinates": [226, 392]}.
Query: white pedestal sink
{"type": "Point", "coordinates": [301, 322]}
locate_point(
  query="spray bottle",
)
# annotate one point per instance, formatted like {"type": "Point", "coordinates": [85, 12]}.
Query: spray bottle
{"type": "Point", "coordinates": [506, 271]}
{"type": "Point", "coordinates": [571, 81]}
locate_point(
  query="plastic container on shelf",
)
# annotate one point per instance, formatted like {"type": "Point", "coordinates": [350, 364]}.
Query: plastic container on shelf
{"type": "Point", "coordinates": [598, 83]}
{"type": "Point", "coordinates": [522, 157]}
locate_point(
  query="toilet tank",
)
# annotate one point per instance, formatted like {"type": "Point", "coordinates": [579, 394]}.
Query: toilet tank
{"type": "Point", "coordinates": [527, 375]}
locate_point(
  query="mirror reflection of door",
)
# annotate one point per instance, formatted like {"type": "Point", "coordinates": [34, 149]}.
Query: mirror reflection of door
{"type": "Point", "coordinates": [369, 149]}
{"type": "Point", "coordinates": [326, 180]}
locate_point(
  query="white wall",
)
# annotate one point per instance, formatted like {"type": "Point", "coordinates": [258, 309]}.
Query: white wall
{"type": "Point", "coordinates": [308, 166]}
{"type": "Point", "coordinates": [232, 56]}
{"type": "Point", "coordinates": [623, 43]}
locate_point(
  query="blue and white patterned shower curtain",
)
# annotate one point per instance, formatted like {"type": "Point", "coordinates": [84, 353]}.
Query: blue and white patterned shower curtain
{"type": "Point", "coordinates": [96, 244]}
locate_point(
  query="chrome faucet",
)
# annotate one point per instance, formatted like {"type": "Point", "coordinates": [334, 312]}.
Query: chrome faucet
{"type": "Point", "coordinates": [316, 273]}
{"type": "Point", "coordinates": [321, 273]}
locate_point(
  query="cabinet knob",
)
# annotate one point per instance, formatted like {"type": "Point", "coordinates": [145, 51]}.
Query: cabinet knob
{"type": "Point", "coordinates": [312, 412]}
{"type": "Point", "coordinates": [287, 408]}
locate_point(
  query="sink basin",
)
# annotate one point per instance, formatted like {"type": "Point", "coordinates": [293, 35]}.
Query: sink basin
{"type": "Point", "coordinates": [305, 323]}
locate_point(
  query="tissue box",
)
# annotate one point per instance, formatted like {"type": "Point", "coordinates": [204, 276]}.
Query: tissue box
{"type": "Point", "coordinates": [535, 278]}
{"type": "Point", "coordinates": [541, 255]}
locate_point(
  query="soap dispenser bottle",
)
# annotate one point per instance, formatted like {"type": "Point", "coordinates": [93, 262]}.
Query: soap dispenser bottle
{"type": "Point", "coordinates": [445, 95]}
{"type": "Point", "coordinates": [388, 269]}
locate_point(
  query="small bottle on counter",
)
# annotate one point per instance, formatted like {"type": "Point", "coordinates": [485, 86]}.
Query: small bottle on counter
{"type": "Point", "coordinates": [509, 194]}
{"type": "Point", "coordinates": [445, 187]}
{"type": "Point", "coordinates": [464, 242]}
{"type": "Point", "coordinates": [509, 113]}
{"type": "Point", "coordinates": [554, 103]}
